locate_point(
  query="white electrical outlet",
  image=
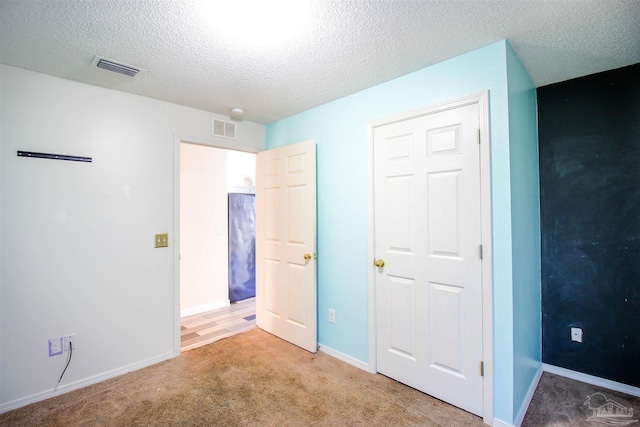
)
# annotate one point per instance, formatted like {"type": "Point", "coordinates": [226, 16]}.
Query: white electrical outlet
{"type": "Point", "coordinates": [576, 334]}
{"type": "Point", "coordinates": [71, 338]}
{"type": "Point", "coordinates": [55, 346]}
{"type": "Point", "coordinates": [332, 315]}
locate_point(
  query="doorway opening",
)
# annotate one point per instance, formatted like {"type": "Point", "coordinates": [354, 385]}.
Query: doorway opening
{"type": "Point", "coordinates": [209, 178]}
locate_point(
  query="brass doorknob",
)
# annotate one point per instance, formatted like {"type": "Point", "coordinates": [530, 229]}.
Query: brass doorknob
{"type": "Point", "coordinates": [307, 257]}
{"type": "Point", "coordinates": [379, 263]}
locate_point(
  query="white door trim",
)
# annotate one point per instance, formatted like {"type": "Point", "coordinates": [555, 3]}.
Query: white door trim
{"type": "Point", "coordinates": [482, 99]}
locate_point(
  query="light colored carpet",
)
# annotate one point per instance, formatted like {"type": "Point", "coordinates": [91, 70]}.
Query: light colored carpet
{"type": "Point", "coordinates": [250, 379]}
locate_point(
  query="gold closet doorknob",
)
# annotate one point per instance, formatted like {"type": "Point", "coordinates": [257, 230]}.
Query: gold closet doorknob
{"type": "Point", "coordinates": [307, 256]}
{"type": "Point", "coordinates": [379, 263]}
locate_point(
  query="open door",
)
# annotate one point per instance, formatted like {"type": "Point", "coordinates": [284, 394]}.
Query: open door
{"type": "Point", "coordinates": [286, 243]}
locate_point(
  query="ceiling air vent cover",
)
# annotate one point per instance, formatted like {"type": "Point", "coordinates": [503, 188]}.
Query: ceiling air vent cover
{"type": "Point", "coordinates": [107, 64]}
{"type": "Point", "coordinates": [223, 129]}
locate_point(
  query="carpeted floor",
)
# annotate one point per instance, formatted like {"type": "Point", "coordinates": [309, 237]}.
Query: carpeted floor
{"type": "Point", "coordinates": [560, 401]}
{"type": "Point", "coordinates": [250, 379]}
{"type": "Point", "coordinates": [256, 379]}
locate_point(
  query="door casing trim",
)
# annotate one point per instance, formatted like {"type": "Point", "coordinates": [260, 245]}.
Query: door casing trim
{"type": "Point", "coordinates": [482, 99]}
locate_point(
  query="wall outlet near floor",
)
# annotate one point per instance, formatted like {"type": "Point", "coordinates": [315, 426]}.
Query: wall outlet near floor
{"type": "Point", "coordinates": [332, 315]}
{"type": "Point", "coordinates": [576, 334]}
{"type": "Point", "coordinates": [69, 339]}
{"type": "Point", "coordinates": [55, 346]}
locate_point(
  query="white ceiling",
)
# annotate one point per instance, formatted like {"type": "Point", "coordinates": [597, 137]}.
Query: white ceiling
{"type": "Point", "coordinates": [345, 45]}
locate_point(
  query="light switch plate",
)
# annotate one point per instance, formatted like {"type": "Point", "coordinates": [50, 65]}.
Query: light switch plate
{"type": "Point", "coordinates": [162, 240]}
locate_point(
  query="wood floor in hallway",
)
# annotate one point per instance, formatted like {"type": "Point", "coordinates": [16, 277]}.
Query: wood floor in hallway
{"type": "Point", "coordinates": [204, 328]}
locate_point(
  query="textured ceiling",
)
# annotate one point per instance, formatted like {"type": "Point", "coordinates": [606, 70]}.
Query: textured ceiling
{"type": "Point", "coordinates": [345, 45]}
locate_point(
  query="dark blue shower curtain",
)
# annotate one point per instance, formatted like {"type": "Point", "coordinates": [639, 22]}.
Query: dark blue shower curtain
{"type": "Point", "coordinates": [242, 246]}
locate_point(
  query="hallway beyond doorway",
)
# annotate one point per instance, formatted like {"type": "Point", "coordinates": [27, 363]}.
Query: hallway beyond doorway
{"type": "Point", "coordinates": [204, 328]}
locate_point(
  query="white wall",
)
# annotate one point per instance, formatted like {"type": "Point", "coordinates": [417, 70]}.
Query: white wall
{"type": "Point", "coordinates": [241, 172]}
{"type": "Point", "coordinates": [77, 248]}
{"type": "Point", "coordinates": [204, 253]}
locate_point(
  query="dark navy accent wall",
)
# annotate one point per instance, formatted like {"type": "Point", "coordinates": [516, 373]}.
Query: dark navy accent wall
{"type": "Point", "coordinates": [589, 136]}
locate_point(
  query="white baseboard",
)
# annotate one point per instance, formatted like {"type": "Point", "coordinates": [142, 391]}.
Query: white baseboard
{"type": "Point", "coordinates": [347, 359]}
{"type": "Point", "coordinates": [204, 308]}
{"type": "Point", "coordinates": [590, 379]}
{"type": "Point", "coordinates": [527, 400]}
{"type": "Point", "coordinates": [500, 423]}
{"type": "Point", "coordinates": [18, 403]}
{"type": "Point", "coordinates": [525, 404]}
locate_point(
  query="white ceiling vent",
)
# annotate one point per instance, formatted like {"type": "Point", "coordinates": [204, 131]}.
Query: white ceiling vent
{"type": "Point", "coordinates": [116, 67]}
{"type": "Point", "coordinates": [223, 129]}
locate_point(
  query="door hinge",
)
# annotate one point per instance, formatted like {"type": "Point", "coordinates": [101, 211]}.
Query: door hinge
{"type": "Point", "coordinates": [480, 251]}
{"type": "Point", "coordinates": [482, 369]}
{"type": "Point", "coordinates": [478, 136]}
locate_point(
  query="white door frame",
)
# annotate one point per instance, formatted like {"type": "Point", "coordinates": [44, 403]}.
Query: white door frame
{"type": "Point", "coordinates": [482, 99]}
{"type": "Point", "coordinates": [174, 239]}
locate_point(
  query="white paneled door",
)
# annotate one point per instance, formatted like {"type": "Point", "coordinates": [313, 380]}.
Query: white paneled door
{"type": "Point", "coordinates": [286, 243]}
{"type": "Point", "coordinates": [428, 236]}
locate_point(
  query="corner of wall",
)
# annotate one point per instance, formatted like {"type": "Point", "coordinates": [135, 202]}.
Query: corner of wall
{"type": "Point", "coordinates": [525, 214]}
{"type": "Point", "coordinates": [502, 245]}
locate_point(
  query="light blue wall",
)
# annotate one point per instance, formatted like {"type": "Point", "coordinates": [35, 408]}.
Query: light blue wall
{"type": "Point", "coordinates": [340, 130]}
{"type": "Point", "coordinates": [525, 214]}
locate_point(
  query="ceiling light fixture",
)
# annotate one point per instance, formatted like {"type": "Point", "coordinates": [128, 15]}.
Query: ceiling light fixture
{"type": "Point", "coordinates": [257, 22]}
{"type": "Point", "coordinates": [237, 111]}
